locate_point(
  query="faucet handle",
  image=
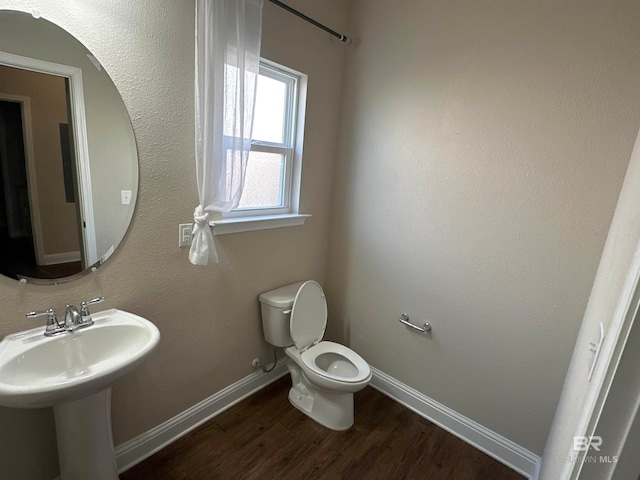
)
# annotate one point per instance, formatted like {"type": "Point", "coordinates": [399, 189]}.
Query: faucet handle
{"type": "Point", "coordinates": [84, 310]}
{"type": "Point", "coordinates": [51, 312]}
{"type": "Point", "coordinates": [53, 326]}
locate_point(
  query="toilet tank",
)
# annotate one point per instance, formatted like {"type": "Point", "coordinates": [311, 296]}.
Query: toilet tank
{"type": "Point", "coordinates": [275, 322]}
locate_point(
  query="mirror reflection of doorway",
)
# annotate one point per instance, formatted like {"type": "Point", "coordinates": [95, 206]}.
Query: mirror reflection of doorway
{"type": "Point", "coordinates": [38, 207]}
{"type": "Point", "coordinates": [15, 218]}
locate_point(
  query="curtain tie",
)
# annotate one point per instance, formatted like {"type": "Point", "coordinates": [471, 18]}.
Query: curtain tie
{"type": "Point", "coordinates": [200, 217]}
{"type": "Point", "coordinates": [203, 249]}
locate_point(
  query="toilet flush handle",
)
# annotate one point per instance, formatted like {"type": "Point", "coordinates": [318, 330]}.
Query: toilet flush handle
{"type": "Point", "coordinates": [286, 312]}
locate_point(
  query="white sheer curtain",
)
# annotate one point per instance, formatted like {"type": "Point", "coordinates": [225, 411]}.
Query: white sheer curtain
{"type": "Point", "coordinates": [228, 34]}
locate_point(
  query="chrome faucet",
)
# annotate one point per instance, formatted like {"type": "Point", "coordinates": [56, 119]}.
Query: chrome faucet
{"type": "Point", "coordinates": [73, 318]}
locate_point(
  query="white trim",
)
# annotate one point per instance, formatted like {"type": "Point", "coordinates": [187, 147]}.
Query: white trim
{"type": "Point", "coordinates": [493, 444]}
{"type": "Point", "coordinates": [81, 143]}
{"type": "Point", "coordinates": [64, 257]}
{"type": "Point", "coordinates": [291, 148]}
{"type": "Point", "coordinates": [505, 451]}
{"type": "Point", "coordinates": [76, 92]}
{"type": "Point", "coordinates": [139, 448]}
{"type": "Point", "coordinates": [262, 222]}
{"type": "Point", "coordinates": [609, 358]}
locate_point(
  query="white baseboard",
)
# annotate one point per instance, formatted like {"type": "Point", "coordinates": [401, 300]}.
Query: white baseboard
{"type": "Point", "coordinates": [502, 449]}
{"type": "Point", "coordinates": [505, 451]}
{"type": "Point", "coordinates": [137, 449]}
{"type": "Point", "coordinates": [65, 257]}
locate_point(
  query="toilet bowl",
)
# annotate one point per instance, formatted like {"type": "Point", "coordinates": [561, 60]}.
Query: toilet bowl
{"type": "Point", "coordinates": [324, 374]}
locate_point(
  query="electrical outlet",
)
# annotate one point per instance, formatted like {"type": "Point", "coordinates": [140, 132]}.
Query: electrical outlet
{"type": "Point", "coordinates": [184, 234]}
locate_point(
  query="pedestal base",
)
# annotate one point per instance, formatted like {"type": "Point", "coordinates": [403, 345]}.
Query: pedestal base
{"type": "Point", "coordinates": [85, 442]}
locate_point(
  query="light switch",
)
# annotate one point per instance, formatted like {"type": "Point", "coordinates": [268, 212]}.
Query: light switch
{"type": "Point", "coordinates": [125, 197]}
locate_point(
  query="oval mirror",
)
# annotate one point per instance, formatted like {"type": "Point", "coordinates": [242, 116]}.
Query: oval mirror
{"type": "Point", "coordinates": [68, 157]}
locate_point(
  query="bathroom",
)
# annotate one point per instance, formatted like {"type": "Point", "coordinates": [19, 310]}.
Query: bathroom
{"type": "Point", "coordinates": [462, 163]}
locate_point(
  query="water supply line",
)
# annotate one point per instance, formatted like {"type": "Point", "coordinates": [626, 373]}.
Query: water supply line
{"type": "Point", "coordinates": [257, 363]}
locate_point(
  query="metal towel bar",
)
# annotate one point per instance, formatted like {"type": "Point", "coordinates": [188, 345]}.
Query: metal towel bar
{"type": "Point", "coordinates": [404, 319]}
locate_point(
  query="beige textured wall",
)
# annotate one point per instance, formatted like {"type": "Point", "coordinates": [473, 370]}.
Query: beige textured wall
{"type": "Point", "coordinates": [483, 146]}
{"type": "Point", "coordinates": [208, 316]}
{"type": "Point", "coordinates": [48, 103]}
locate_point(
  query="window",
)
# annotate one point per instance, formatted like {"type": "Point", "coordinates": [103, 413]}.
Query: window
{"type": "Point", "coordinates": [272, 181]}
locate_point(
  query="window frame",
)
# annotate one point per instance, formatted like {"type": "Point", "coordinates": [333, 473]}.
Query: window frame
{"type": "Point", "coordinates": [290, 148]}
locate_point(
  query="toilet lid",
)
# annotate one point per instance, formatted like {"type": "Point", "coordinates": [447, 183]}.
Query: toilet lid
{"type": "Point", "coordinates": [308, 316]}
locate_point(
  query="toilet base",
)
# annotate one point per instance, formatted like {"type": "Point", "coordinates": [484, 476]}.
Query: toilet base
{"type": "Point", "coordinates": [330, 409]}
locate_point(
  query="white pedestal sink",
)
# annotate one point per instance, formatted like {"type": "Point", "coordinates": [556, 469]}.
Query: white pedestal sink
{"type": "Point", "coordinates": [73, 373]}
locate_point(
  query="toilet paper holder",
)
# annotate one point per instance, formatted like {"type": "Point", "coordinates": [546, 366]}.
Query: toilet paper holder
{"type": "Point", "coordinates": [404, 319]}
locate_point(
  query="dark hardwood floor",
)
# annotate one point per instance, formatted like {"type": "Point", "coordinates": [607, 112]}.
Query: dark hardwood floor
{"type": "Point", "coordinates": [265, 437]}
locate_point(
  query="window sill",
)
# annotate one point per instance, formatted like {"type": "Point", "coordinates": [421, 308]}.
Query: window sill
{"type": "Point", "coordinates": [263, 222]}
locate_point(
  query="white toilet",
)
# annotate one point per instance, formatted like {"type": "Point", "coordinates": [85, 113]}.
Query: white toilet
{"type": "Point", "coordinates": [324, 375]}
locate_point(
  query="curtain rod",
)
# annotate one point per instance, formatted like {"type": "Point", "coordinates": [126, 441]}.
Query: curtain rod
{"type": "Point", "coordinates": [343, 38]}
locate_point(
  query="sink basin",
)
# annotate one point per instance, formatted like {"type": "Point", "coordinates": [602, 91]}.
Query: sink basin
{"type": "Point", "coordinates": [38, 371]}
{"type": "Point", "coordinates": [73, 373]}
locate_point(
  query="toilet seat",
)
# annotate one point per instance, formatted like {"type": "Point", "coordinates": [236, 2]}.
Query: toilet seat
{"type": "Point", "coordinates": [310, 359]}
